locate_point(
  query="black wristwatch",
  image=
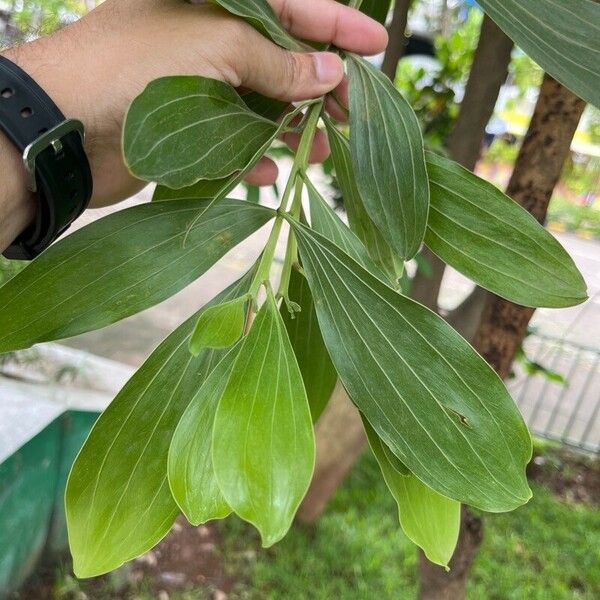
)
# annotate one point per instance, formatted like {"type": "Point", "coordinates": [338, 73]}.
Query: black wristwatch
{"type": "Point", "coordinates": [53, 155]}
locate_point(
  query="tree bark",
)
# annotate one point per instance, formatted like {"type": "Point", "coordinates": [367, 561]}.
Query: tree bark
{"type": "Point", "coordinates": [503, 324]}
{"type": "Point", "coordinates": [466, 316]}
{"type": "Point", "coordinates": [341, 440]}
{"type": "Point", "coordinates": [488, 74]}
{"type": "Point", "coordinates": [537, 171]}
{"type": "Point", "coordinates": [438, 584]}
{"type": "Point", "coordinates": [398, 40]}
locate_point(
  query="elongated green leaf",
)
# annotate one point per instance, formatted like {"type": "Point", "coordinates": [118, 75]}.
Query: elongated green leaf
{"type": "Point", "coordinates": [266, 107]}
{"type": "Point", "coordinates": [392, 459]}
{"type": "Point", "coordinates": [263, 443]}
{"type": "Point", "coordinates": [429, 519]}
{"type": "Point", "coordinates": [317, 370]}
{"type": "Point", "coordinates": [180, 130]}
{"type": "Point", "coordinates": [388, 158]}
{"type": "Point", "coordinates": [327, 223]}
{"type": "Point", "coordinates": [261, 16]}
{"type": "Point", "coordinates": [563, 36]}
{"type": "Point", "coordinates": [219, 326]}
{"type": "Point", "coordinates": [120, 265]}
{"type": "Point", "coordinates": [360, 222]}
{"type": "Point", "coordinates": [431, 398]}
{"type": "Point", "coordinates": [205, 188]}
{"type": "Point", "coordinates": [376, 9]}
{"type": "Point", "coordinates": [118, 500]}
{"type": "Point", "coordinates": [484, 234]}
{"type": "Point", "coordinates": [219, 188]}
{"type": "Point", "coordinates": [191, 474]}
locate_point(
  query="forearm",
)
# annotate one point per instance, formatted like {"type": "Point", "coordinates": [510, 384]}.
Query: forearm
{"type": "Point", "coordinates": [17, 203]}
{"type": "Point", "coordinates": [17, 206]}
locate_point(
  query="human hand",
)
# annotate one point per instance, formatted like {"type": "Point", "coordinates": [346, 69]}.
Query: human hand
{"type": "Point", "coordinates": [94, 68]}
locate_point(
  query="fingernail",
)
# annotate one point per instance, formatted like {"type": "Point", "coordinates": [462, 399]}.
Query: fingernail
{"type": "Point", "coordinates": [329, 67]}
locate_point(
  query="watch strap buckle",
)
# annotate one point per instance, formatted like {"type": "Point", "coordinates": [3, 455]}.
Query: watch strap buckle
{"type": "Point", "coordinates": [49, 139]}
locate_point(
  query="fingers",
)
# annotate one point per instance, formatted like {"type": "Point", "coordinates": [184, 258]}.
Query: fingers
{"type": "Point", "coordinates": [320, 149]}
{"type": "Point", "coordinates": [285, 75]}
{"type": "Point", "coordinates": [264, 173]}
{"type": "Point", "coordinates": [332, 22]}
{"type": "Point", "coordinates": [336, 103]}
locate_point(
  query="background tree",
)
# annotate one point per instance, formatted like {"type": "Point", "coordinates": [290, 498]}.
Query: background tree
{"type": "Point", "coordinates": [503, 325]}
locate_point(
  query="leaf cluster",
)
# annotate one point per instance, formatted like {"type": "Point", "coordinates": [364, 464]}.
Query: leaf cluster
{"type": "Point", "coordinates": [219, 419]}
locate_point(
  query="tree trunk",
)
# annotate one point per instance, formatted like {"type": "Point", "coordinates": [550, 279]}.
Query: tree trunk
{"type": "Point", "coordinates": [537, 171]}
{"type": "Point", "coordinates": [438, 584]}
{"type": "Point", "coordinates": [488, 74]}
{"type": "Point", "coordinates": [503, 324]}
{"type": "Point", "coordinates": [466, 316]}
{"type": "Point", "coordinates": [397, 32]}
{"type": "Point", "coordinates": [341, 440]}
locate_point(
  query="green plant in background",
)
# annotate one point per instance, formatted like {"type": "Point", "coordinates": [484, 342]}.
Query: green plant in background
{"type": "Point", "coordinates": [40, 17]}
{"type": "Point", "coordinates": [219, 419]}
{"type": "Point", "coordinates": [432, 93]}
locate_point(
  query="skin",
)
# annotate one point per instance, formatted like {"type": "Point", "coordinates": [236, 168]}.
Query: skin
{"type": "Point", "coordinates": [94, 68]}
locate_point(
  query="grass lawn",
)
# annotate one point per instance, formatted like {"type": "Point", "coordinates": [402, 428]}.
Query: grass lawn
{"type": "Point", "coordinates": [549, 549]}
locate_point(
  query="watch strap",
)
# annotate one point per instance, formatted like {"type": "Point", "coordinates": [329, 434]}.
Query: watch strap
{"type": "Point", "coordinates": [54, 158]}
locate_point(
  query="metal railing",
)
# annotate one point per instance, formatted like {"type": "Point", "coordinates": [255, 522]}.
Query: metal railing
{"type": "Point", "coordinates": [565, 412]}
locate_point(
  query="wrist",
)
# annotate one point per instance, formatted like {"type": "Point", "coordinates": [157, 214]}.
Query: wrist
{"type": "Point", "coordinates": [50, 61]}
{"type": "Point", "coordinates": [66, 66]}
{"type": "Point", "coordinates": [55, 166]}
{"type": "Point", "coordinates": [17, 206]}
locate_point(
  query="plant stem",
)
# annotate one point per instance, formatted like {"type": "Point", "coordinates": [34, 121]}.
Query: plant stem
{"type": "Point", "coordinates": [291, 251]}
{"type": "Point", "coordinates": [303, 152]}
{"type": "Point", "coordinates": [297, 183]}
{"type": "Point", "coordinates": [266, 260]}
{"type": "Point", "coordinates": [294, 183]}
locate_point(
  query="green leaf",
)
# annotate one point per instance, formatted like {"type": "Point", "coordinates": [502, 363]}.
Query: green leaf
{"type": "Point", "coordinates": [120, 265]}
{"type": "Point", "coordinates": [191, 474]}
{"type": "Point", "coordinates": [429, 519]}
{"type": "Point", "coordinates": [327, 223]}
{"type": "Point", "coordinates": [431, 398]}
{"type": "Point", "coordinates": [118, 500]}
{"type": "Point", "coordinates": [317, 370]}
{"type": "Point", "coordinates": [266, 107]}
{"type": "Point", "coordinates": [182, 129]}
{"type": "Point", "coordinates": [360, 222]}
{"type": "Point", "coordinates": [203, 189]}
{"type": "Point", "coordinates": [388, 158]}
{"type": "Point", "coordinates": [252, 194]}
{"type": "Point", "coordinates": [261, 16]}
{"type": "Point", "coordinates": [219, 326]}
{"type": "Point", "coordinates": [488, 237]}
{"type": "Point", "coordinates": [563, 37]}
{"type": "Point", "coordinates": [376, 9]}
{"type": "Point", "coordinates": [263, 442]}
{"type": "Point", "coordinates": [219, 188]}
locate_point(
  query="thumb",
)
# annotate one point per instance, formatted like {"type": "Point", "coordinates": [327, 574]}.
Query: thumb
{"type": "Point", "coordinates": [290, 76]}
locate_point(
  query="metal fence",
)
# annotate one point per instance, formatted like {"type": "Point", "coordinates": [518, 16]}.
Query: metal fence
{"type": "Point", "coordinates": [569, 412]}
